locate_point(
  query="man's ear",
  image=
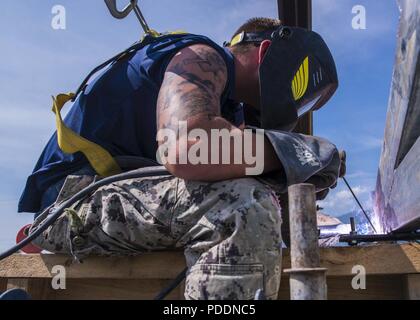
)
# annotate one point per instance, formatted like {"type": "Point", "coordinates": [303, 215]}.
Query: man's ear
{"type": "Point", "coordinates": [263, 50]}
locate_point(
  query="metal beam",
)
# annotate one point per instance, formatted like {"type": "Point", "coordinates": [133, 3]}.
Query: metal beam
{"type": "Point", "coordinates": [295, 13]}
{"type": "Point", "coordinates": [298, 13]}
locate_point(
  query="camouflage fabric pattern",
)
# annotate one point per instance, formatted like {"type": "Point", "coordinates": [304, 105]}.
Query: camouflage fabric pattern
{"type": "Point", "coordinates": [230, 230]}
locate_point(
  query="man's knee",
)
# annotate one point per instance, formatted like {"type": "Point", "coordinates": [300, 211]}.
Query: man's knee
{"type": "Point", "coordinates": [258, 203]}
{"type": "Point", "coordinates": [247, 256]}
{"type": "Point", "coordinates": [241, 208]}
{"type": "Point", "coordinates": [246, 218]}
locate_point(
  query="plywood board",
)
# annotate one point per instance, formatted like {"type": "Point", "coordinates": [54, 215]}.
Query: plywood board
{"type": "Point", "coordinates": [398, 184]}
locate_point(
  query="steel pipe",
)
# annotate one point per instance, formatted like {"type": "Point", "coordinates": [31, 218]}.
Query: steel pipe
{"type": "Point", "coordinates": [354, 239]}
{"type": "Point", "coordinates": [307, 278]}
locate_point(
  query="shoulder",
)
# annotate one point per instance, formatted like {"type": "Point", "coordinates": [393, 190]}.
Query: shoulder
{"type": "Point", "coordinates": [199, 53]}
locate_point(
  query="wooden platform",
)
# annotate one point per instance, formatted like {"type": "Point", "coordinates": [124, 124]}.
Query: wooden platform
{"type": "Point", "coordinates": [393, 272]}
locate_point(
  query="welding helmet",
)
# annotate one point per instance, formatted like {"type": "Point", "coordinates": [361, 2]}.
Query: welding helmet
{"type": "Point", "coordinates": [297, 75]}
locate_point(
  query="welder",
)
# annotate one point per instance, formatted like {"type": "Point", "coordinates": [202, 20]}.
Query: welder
{"type": "Point", "coordinates": [228, 223]}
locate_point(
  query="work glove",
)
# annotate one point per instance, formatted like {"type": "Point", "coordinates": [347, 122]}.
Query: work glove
{"type": "Point", "coordinates": [307, 159]}
{"type": "Point", "coordinates": [322, 194]}
{"type": "Point", "coordinates": [343, 159]}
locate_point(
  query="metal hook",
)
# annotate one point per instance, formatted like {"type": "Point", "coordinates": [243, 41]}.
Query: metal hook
{"type": "Point", "coordinates": [121, 14]}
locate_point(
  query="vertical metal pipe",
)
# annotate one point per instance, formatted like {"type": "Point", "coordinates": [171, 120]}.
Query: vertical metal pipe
{"type": "Point", "coordinates": [298, 13]}
{"type": "Point", "coordinates": [307, 278]}
{"type": "Point", "coordinates": [353, 224]}
{"type": "Point", "coordinates": [295, 13]}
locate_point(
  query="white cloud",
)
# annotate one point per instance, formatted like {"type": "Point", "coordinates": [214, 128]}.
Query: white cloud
{"type": "Point", "coordinates": [370, 142]}
{"type": "Point", "coordinates": [341, 201]}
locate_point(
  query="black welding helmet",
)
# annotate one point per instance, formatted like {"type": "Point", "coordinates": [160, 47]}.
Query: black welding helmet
{"type": "Point", "coordinates": [297, 75]}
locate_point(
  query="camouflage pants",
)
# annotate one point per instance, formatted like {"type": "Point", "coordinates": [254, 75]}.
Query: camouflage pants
{"type": "Point", "coordinates": [230, 230]}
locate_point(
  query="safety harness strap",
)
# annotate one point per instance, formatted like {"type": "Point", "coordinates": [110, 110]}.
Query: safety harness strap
{"type": "Point", "coordinates": [70, 142]}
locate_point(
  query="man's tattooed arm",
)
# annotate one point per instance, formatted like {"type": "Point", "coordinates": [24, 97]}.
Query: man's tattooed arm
{"type": "Point", "coordinates": [191, 91]}
{"type": "Point", "coordinates": [192, 87]}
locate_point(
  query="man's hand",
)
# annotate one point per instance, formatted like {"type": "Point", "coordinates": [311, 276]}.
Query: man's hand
{"type": "Point", "coordinates": [194, 81]}
{"type": "Point", "coordinates": [342, 172]}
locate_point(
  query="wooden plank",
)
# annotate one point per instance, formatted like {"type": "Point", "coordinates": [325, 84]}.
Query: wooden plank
{"type": "Point", "coordinates": [395, 179]}
{"type": "Point", "coordinates": [377, 259]}
{"type": "Point", "coordinates": [105, 289]}
{"type": "Point", "coordinates": [385, 259]}
{"type": "Point", "coordinates": [339, 288]}
{"type": "Point", "coordinates": [18, 284]}
{"type": "Point", "coordinates": [147, 266]}
{"type": "Point", "coordinates": [102, 289]}
{"type": "Point", "coordinates": [3, 285]}
{"type": "Point", "coordinates": [377, 288]}
{"type": "Point", "coordinates": [404, 199]}
{"type": "Point", "coordinates": [412, 286]}
{"type": "Point", "coordinates": [38, 289]}
{"type": "Point", "coordinates": [411, 128]}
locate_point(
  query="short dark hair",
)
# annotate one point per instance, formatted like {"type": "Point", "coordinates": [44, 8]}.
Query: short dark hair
{"type": "Point", "coordinates": [255, 25]}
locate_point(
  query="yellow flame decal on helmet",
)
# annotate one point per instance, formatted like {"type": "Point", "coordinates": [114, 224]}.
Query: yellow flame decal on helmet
{"type": "Point", "coordinates": [301, 80]}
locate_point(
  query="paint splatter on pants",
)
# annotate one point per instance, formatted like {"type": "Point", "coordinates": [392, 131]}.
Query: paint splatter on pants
{"type": "Point", "coordinates": [230, 230]}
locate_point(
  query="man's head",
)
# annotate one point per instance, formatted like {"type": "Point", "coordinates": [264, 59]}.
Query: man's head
{"type": "Point", "coordinates": [249, 55]}
{"type": "Point", "coordinates": [284, 72]}
{"type": "Point", "coordinates": [253, 25]}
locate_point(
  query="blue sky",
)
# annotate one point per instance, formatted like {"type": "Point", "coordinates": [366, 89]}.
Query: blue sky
{"type": "Point", "coordinates": [37, 61]}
